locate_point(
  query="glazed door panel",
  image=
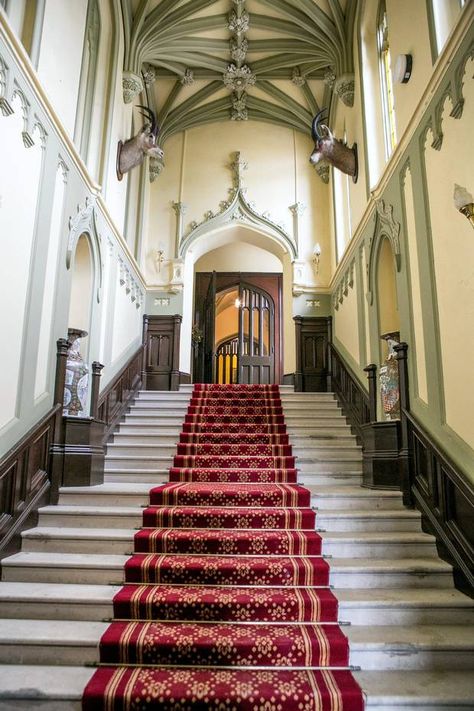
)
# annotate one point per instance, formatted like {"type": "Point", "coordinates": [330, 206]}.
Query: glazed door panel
{"type": "Point", "coordinates": [256, 336]}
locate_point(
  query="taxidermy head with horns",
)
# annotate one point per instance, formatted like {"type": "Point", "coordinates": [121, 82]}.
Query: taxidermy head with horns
{"type": "Point", "coordinates": [329, 149]}
{"type": "Point", "coordinates": [132, 152]}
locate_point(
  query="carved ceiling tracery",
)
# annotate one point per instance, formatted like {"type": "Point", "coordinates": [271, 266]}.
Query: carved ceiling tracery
{"type": "Point", "coordinates": [217, 60]}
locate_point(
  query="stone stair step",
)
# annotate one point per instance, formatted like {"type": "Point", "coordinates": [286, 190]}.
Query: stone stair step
{"type": "Point", "coordinates": [414, 647]}
{"type": "Point", "coordinates": [114, 461]}
{"type": "Point", "coordinates": [318, 479]}
{"type": "Point", "coordinates": [329, 463]}
{"type": "Point", "coordinates": [91, 516]}
{"type": "Point", "coordinates": [405, 606]}
{"type": "Point", "coordinates": [55, 688]}
{"type": "Point", "coordinates": [342, 497]}
{"type": "Point", "coordinates": [345, 519]}
{"type": "Point", "coordinates": [111, 494]}
{"type": "Point", "coordinates": [417, 690]}
{"type": "Point", "coordinates": [56, 642]}
{"type": "Point", "coordinates": [132, 476]}
{"type": "Point", "coordinates": [151, 449]}
{"type": "Point", "coordinates": [56, 601]}
{"type": "Point", "coordinates": [134, 429]}
{"type": "Point", "coordinates": [344, 573]}
{"type": "Point", "coordinates": [379, 545]}
{"type": "Point", "coordinates": [47, 688]}
{"type": "Point", "coordinates": [389, 573]}
{"type": "Point", "coordinates": [78, 540]}
{"type": "Point", "coordinates": [145, 438]}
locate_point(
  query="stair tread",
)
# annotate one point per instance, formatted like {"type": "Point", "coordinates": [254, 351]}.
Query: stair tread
{"type": "Point", "coordinates": [435, 687]}
{"type": "Point", "coordinates": [401, 597]}
{"type": "Point", "coordinates": [411, 637]}
{"type": "Point", "coordinates": [70, 632]}
{"type": "Point", "coordinates": [370, 513]}
{"type": "Point", "coordinates": [73, 533]}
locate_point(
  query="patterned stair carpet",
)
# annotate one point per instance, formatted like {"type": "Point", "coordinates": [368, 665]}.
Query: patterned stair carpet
{"type": "Point", "coordinates": [226, 603]}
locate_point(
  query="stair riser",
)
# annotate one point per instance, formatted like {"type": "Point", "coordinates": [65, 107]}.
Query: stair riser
{"type": "Point", "coordinates": [412, 660]}
{"type": "Point", "coordinates": [132, 440]}
{"type": "Point", "coordinates": [369, 660]}
{"type": "Point", "coordinates": [110, 499]}
{"type": "Point", "coordinates": [387, 580]}
{"type": "Point", "coordinates": [351, 502]}
{"type": "Point", "coordinates": [121, 547]}
{"type": "Point", "coordinates": [129, 429]}
{"type": "Point", "coordinates": [328, 465]}
{"type": "Point", "coordinates": [34, 610]}
{"type": "Point", "coordinates": [365, 614]}
{"type": "Point", "coordinates": [164, 408]}
{"type": "Point", "coordinates": [94, 521]}
{"type": "Point", "coordinates": [24, 653]}
{"type": "Point", "coordinates": [345, 479]}
{"type": "Point", "coordinates": [115, 576]}
{"type": "Point", "coordinates": [317, 421]}
{"type": "Point", "coordinates": [348, 524]}
{"type": "Point", "coordinates": [119, 449]}
{"type": "Point", "coordinates": [113, 462]}
{"type": "Point", "coordinates": [131, 477]}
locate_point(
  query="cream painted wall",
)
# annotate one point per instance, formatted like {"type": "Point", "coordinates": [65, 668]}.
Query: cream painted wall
{"type": "Point", "coordinates": [44, 359]}
{"type": "Point", "coordinates": [387, 301]}
{"type": "Point", "coordinates": [453, 254]}
{"type": "Point", "coordinates": [17, 229]}
{"type": "Point", "coordinates": [197, 173]}
{"type": "Point", "coordinates": [417, 316]}
{"type": "Point", "coordinates": [248, 257]}
{"type": "Point", "coordinates": [126, 324]}
{"type": "Point", "coordinates": [59, 65]}
{"type": "Point", "coordinates": [346, 322]}
{"type": "Point", "coordinates": [408, 34]}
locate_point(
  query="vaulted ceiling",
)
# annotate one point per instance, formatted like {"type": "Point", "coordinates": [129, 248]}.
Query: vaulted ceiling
{"type": "Point", "coordinates": [202, 61]}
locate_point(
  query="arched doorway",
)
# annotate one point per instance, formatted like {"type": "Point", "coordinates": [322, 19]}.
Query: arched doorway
{"type": "Point", "coordinates": [387, 301]}
{"type": "Point", "coordinates": [82, 285]}
{"type": "Point", "coordinates": [239, 319]}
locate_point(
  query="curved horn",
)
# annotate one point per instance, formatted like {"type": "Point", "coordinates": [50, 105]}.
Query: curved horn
{"type": "Point", "coordinates": [150, 115]}
{"type": "Point", "coordinates": [315, 126]}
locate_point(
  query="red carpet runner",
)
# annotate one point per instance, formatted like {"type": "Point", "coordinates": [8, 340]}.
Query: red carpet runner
{"type": "Point", "coordinates": [226, 604]}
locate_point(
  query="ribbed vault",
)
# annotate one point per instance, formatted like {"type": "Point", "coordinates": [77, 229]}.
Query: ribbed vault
{"type": "Point", "coordinates": [203, 61]}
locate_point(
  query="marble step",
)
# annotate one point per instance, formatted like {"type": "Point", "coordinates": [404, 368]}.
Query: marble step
{"type": "Point", "coordinates": [344, 478]}
{"type": "Point", "coordinates": [120, 541]}
{"type": "Point", "coordinates": [91, 516]}
{"type": "Point", "coordinates": [353, 497]}
{"type": "Point", "coordinates": [400, 519]}
{"type": "Point", "coordinates": [159, 395]}
{"type": "Point", "coordinates": [133, 429]}
{"type": "Point", "coordinates": [64, 642]}
{"type": "Point", "coordinates": [138, 476]}
{"type": "Point", "coordinates": [105, 494]}
{"type": "Point", "coordinates": [115, 461]}
{"type": "Point", "coordinates": [151, 449]}
{"type": "Point", "coordinates": [108, 569]}
{"type": "Point", "coordinates": [329, 463]}
{"type": "Point", "coordinates": [397, 606]}
{"type": "Point", "coordinates": [60, 688]}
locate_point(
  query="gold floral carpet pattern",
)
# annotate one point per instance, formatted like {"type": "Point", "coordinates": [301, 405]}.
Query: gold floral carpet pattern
{"type": "Point", "coordinates": [226, 603]}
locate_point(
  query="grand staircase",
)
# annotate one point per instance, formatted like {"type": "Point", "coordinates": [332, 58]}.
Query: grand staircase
{"type": "Point", "coordinates": [411, 634]}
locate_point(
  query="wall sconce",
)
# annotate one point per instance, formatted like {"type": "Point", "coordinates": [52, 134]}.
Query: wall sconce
{"type": "Point", "coordinates": [159, 259]}
{"type": "Point", "coordinates": [316, 256]}
{"type": "Point", "coordinates": [464, 202]}
{"type": "Point", "coordinates": [403, 68]}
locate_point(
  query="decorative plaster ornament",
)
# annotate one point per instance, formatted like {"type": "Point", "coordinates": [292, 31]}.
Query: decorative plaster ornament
{"type": "Point", "coordinates": [238, 24]}
{"type": "Point", "coordinates": [155, 167]}
{"type": "Point", "coordinates": [296, 77]}
{"type": "Point", "coordinates": [239, 105]}
{"type": "Point", "coordinates": [344, 88]}
{"type": "Point", "coordinates": [329, 77]}
{"type": "Point", "coordinates": [238, 78]}
{"type": "Point", "coordinates": [132, 85]}
{"type": "Point", "coordinates": [149, 74]}
{"type": "Point", "coordinates": [188, 77]}
{"type": "Point", "coordinates": [238, 50]}
{"type": "Point", "coordinates": [322, 169]}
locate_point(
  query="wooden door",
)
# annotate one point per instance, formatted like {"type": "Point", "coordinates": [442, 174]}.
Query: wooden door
{"type": "Point", "coordinates": [256, 357]}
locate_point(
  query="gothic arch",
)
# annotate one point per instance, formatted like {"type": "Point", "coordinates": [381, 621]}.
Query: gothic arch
{"type": "Point", "coordinates": [386, 227]}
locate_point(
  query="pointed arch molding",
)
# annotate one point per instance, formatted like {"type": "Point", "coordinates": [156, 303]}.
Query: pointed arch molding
{"type": "Point", "coordinates": [85, 222]}
{"type": "Point", "coordinates": [385, 227]}
{"type": "Point", "coordinates": [237, 210]}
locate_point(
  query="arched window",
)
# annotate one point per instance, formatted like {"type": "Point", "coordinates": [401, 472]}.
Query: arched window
{"type": "Point", "coordinates": [386, 83]}
{"type": "Point", "coordinates": [442, 16]}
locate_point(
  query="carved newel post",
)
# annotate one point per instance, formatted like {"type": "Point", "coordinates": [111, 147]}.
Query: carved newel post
{"type": "Point", "coordinates": [96, 373]}
{"type": "Point", "coordinates": [371, 371]}
{"type": "Point", "coordinates": [401, 350]}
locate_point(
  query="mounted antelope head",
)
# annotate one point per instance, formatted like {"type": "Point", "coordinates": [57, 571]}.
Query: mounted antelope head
{"type": "Point", "coordinates": [329, 149]}
{"type": "Point", "coordinates": [132, 152]}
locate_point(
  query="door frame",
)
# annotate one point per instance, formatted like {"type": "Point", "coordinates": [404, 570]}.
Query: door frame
{"type": "Point", "coordinates": [270, 282]}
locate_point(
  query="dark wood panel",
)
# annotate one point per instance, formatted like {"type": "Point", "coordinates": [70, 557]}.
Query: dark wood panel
{"type": "Point", "coordinates": [117, 395]}
{"type": "Point", "coordinates": [25, 478]}
{"type": "Point", "coordinates": [161, 336]}
{"type": "Point", "coordinates": [312, 342]}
